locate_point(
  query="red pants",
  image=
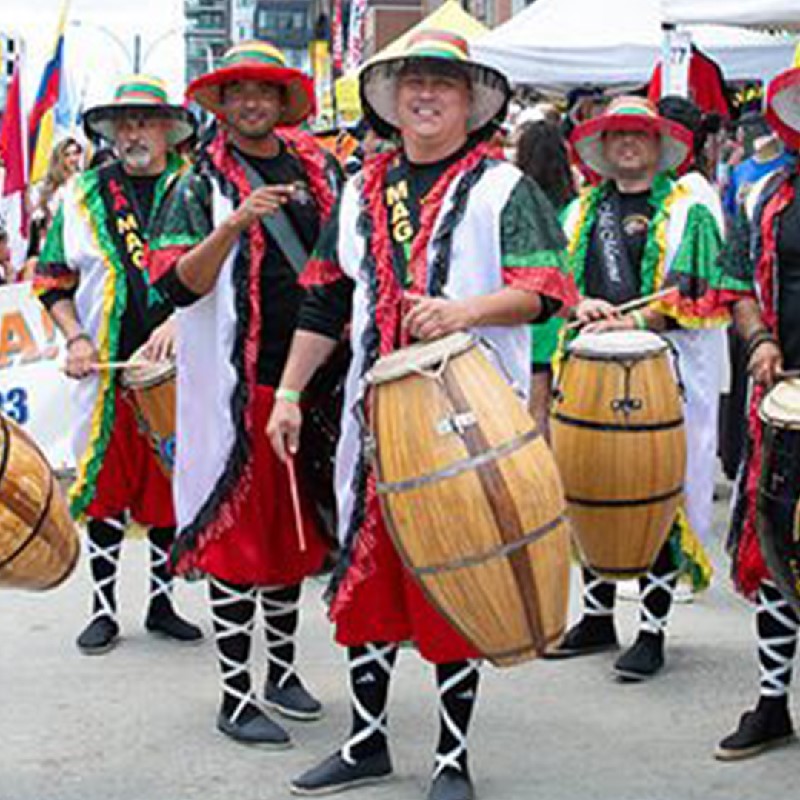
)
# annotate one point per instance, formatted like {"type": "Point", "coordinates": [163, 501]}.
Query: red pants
{"type": "Point", "coordinates": [263, 546]}
{"type": "Point", "coordinates": [384, 604]}
{"type": "Point", "coordinates": [131, 478]}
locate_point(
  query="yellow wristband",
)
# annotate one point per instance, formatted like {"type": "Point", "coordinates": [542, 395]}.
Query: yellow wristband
{"type": "Point", "coordinates": [289, 395]}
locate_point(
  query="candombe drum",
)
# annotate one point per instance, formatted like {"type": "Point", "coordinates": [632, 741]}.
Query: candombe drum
{"type": "Point", "coordinates": [777, 507]}
{"type": "Point", "coordinates": [471, 496]}
{"type": "Point", "coordinates": [618, 439]}
{"type": "Point", "coordinates": [38, 541]}
{"type": "Point", "coordinates": [152, 387]}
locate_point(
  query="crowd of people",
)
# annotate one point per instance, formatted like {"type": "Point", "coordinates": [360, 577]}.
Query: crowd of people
{"type": "Point", "coordinates": [249, 254]}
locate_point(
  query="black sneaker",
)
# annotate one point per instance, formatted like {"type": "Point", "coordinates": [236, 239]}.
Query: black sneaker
{"type": "Point", "coordinates": [165, 622]}
{"type": "Point", "coordinates": [293, 701]}
{"type": "Point", "coordinates": [254, 727]}
{"type": "Point", "coordinates": [643, 660]}
{"type": "Point", "coordinates": [759, 730]}
{"type": "Point", "coordinates": [334, 774]}
{"type": "Point", "coordinates": [451, 784]}
{"type": "Point", "coordinates": [99, 636]}
{"type": "Point", "coordinates": [592, 634]}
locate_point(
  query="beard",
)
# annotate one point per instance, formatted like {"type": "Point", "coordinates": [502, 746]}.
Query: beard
{"type": "Point", "coordinates": [137, 157]}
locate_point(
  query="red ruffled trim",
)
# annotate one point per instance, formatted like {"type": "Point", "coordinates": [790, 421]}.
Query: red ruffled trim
{"type": "Point", "coordinates": [315, 164]}
{"type": "Point", "coordinates": [159, 262]}
{"type": "Point", "coordinates": [549, 281]}
{"type": "Point", "coordinates": [46, 283]}
{"type": "Point", "coordinates": [767, 264]}
{"type": "Point", "coordinates": [320, 273]}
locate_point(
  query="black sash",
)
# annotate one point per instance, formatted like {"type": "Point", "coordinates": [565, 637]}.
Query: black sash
{"type": "Point", "coordinates": [610, 275]}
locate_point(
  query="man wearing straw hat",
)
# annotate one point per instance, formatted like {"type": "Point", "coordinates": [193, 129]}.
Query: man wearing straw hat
{"type": "Point", "coordinates": [91, 277]}
{"type": "Point", "coordinates": [634, 233]}
{"type": "Point", "coordinates": [228, 250]}
{"type": "Point", "coordinates": [440, 235]}
{"type": "Point", "coordinates": [760, 280]}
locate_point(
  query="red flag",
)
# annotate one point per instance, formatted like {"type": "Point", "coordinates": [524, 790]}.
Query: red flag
{"type": "Point", "coordinates": [12, 139]}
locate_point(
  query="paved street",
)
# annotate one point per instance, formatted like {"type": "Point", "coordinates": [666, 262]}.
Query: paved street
{"type": "Point", "coordinates": [137, 724]}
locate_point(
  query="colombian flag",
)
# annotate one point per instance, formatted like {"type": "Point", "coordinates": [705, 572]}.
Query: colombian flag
{"type": "Point", "coordinates": [41, 122]}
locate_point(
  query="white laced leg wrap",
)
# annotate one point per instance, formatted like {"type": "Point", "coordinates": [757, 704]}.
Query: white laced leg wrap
{"type": "Point", "coordinates": [379, 656]}
{"type": "Point", "coordinates": [225, 629]}
{"type": "Point", "coordinates": [103, 606]}
{"type": "Point", "coordinates": [592, 605]}
{"type": "Point", "coordinates": [451, 759]}
{"type": "Point", "coordinates": [276, 638]}
{"type": "Point", "coordinates": [160, 586]}
{"type": "Point", "coordinates": [650, 622]}
{"type": "Point", "coordinates": [775, 681]}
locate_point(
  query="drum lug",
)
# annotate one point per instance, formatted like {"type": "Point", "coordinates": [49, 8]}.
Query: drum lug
{"type": "Point", "coordinates": [456, 423]}
{"type": "Point", "coordinates": [626, 405]}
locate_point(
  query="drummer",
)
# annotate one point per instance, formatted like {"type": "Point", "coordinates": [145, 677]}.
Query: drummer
{"type": "Point", "coordinates": [632, 234]}
{"type": "Point", "coordinates": [380, 266]}
{"type": "Point", "coordinates": [91, 278]}
{"type": "Point", "coordinates": [760, 278]}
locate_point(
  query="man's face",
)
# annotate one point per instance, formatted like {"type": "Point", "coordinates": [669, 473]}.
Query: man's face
{"type": "Point", "coordinates": [433, 107]}
{"type": "Point", "coordinates": [141, 142]}
{"type": "Point", "coordinates": [253, 108]}
{"type": "Point", "coordinates": [633, 154]}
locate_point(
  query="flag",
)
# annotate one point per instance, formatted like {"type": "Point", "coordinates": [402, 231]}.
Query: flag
{"type": "Point", "coordinates": [41, 122]}
{"type": "Point", "coordinates": [12, 138]}
{"type": "Point", "coordinates": [355, 39]}
{"type": "Point", "coordinates": [337, 39]}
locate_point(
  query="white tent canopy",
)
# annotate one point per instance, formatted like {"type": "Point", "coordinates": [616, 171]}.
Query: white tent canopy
{"type": "Point", "coordinates": [557, 44]}
{"type": "Point", "coordinates": [761, 13]}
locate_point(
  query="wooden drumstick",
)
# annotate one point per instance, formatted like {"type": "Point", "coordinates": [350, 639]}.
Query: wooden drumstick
{"type": "Point", "coordinates": [298, 515]}
{"type": "Point", "coordinates": [104, 365]}
{"type": "Point", "coordinates": [631, 305]}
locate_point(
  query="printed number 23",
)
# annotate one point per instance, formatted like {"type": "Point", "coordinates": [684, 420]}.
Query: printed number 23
{"type": "Point", "coordinates": [15, 403]}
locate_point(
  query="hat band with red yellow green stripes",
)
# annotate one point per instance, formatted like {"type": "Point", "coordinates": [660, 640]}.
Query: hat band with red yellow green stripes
{"type": "Point", "coordinates": [261, 53]}
{"type": "Point", "coordinates": [437, 44]}
{"type": "Point", "coordinates": [140, 88]}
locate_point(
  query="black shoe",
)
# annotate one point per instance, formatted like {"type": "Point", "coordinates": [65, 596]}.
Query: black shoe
{"type": "Point", "coordinates": [759, 730]}
{"type": "Point", "coordinates": [334, 774]}
{"type": "Point", "coordinates": [593, 634]}
{"type": "Point", "coordinates": [293, 701]}
{"type": "Point", "coordinates": [451, 784]}
{"type": "Point", "coordinates": [165, 622]}
{"type": "Point", "coordinates": [643, 659]}
{"type": "Point", "coordinates": [256, 728]}
{"type": "Point", "coordinates": [99, 636]}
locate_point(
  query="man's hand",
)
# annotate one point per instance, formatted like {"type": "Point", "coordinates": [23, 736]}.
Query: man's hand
{"type": "Point", "coordinates": [264, 201]}
{"type": "Point", "coordinates": [594, 310]}
{"type": "Point", "coordinates": [283, 428]}
{"type": "Point", "coordinates": [161, 344]}
{"type": "Point", "coordinates": [765, 363]}
{"type": "Point", "coordinates": [606, 325]}
{"type": "Point", "coordinates": [434, 317]}
{"type": "Point", "coordinates": [81, 358]}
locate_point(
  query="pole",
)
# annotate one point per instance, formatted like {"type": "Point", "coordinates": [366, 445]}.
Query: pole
{"type": "Point", "coordinates": [137, 53]}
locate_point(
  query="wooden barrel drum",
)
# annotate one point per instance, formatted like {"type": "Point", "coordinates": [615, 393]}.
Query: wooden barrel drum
{"type": "Point", "coordinates": [471, 496]}
{"type": "Point", "coordinates": [618, 438]}
{"type": "Point", "coordinates": [38, 541]}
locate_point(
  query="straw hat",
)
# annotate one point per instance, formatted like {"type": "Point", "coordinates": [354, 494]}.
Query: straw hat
{"type": "Point", "coordinates": [139, 93]}
{"type": "Point", "coordinates": [631, 114]}
{"type": "Point", "coordinates": [783, 106]}
{"type": "Point", "coordinates": [256, 61]}
{"type": "Point", "coordinates": [378, 81]}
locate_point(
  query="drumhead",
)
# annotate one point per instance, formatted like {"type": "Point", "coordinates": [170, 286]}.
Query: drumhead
{"type": "Point", "coordinates": [420, 356]}
{"type": "Point", "coordinates": [149, 373]}
{"type": "Point", "coordinates": [781, 406]}
{"type": "Point", "coordinates": [618, 345]}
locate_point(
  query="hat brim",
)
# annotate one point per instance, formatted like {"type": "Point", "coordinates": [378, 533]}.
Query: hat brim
{"type": "Point", "coordinates": [587, 141]}
{"type": "Point", "coordinates": [491, 91]}
{"type": "Point", "coordinates": [101, 120]}
{"type": "Point", "coordinates": [300, 99]}
{"type": "Point", "coordinates": [783, 106]}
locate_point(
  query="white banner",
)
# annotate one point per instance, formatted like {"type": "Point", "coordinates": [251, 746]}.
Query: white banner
{"type": "Point", "coordinates": [33, 389]}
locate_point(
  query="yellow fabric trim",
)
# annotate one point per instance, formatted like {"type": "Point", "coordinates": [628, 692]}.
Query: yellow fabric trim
{"type": "Point", "coordinates": [697, 566]}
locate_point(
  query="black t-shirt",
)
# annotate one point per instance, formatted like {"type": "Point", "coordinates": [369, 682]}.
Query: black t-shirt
{"type": "Point", "coordinates": [788, 246]}
{"type": "Point", "coordinates": [281, 295]}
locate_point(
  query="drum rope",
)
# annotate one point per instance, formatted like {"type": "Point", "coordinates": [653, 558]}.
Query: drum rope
{"type": "Point", "coordinates": [775, 652]}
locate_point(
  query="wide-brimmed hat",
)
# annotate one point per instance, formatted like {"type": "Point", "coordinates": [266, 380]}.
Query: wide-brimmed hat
{"type": "Point", "coordinates": [631, 114]}
{"type": "Point", "coordinates": [783, 106]}
{"type": "Point", "coordinates": [378, 81]}
{"type": "Point", "coordinates": [256, 61]}
{"type": "Point", "coordinates": [141, 94]}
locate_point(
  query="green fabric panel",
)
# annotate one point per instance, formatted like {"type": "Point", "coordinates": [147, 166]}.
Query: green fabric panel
{"type": "Point", "coordinates": [700, 246]}
{"type": "Point", "coordinates": [735, 268]}
{"type": "Point", "coordinates": [327, 246]}
{"type": "Point", "coordinates": [530, 234]}
{"type": "Point", "coordinates": [545, 340]}
{"type": "Point", "coordinates": [186, 218]}
{"type": "Point", "coordinates": [53, 250]}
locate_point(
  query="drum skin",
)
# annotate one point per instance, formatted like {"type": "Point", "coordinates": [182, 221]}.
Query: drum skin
{"type": "Point", "coordinates": [38, 541]}
{"type": "Point", "coordinates": [777, 509]}
{"type": "Point", "coordinates": [618, 439]}
{"type": "Point", "coordinates": [474, 503]}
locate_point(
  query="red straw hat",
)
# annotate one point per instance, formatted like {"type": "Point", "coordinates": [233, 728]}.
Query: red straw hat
{"type": "Point", "coordinates": [783, 106]}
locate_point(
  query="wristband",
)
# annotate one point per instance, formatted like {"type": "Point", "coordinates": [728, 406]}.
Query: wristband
{"type": "Point", "coordinates": [756, 340]}
{"type": "Point", "coordinates": [289, 395]}
{"type": "Point", "coordinates": [639, 322]}
{"type": "Point", "coordinates": [77, 337]}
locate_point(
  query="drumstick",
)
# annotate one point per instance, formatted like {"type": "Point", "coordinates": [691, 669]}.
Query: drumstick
{"type": "Point", "coordinates": [298, 516]}
{"type": "Point", "coordinates": [103, 365]}
{"type": "Point", "coordinates": [631, 305]}
{"type": "Point", "coordinates": [787, 375]}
